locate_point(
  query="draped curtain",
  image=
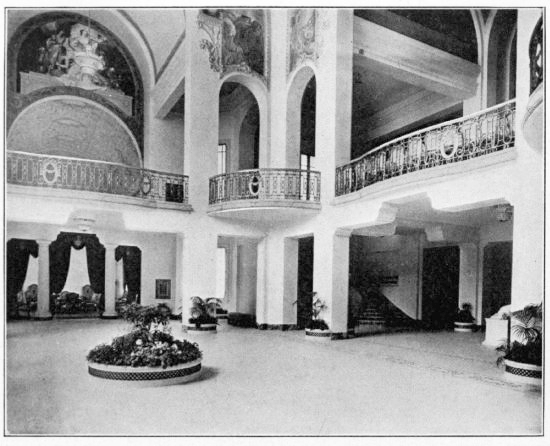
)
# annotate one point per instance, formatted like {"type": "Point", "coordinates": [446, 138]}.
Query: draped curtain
{"type": "Point", "coordinates": [18, 252]}
{"type": "Point", "coordinates": [131, 263]}
{"type": "Point", "coordinates": [60, 258]}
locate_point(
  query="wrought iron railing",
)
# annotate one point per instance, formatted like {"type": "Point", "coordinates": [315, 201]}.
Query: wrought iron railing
{"type": "Point", "coordinates": [536, 55]}
{"type": "Point", "coordinates": [454, 141]}
{"type": "Point", "coordinates": [59, 172]}
{"type": "Point", "coordinates": [266, 184]}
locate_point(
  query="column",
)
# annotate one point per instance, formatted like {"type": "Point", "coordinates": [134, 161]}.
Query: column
{"type": "Point", "coordinates": [233, 263]}
{"type": "Point", "coordinates": [467, 282]}
{"type": "Point", "coordinates": [110, 281]}
{"type": "Point", "coordinates": [280, 278]}
{"type": "Point", "coordinates": [261, 304]}
{"type": "Point", "coordinates": [331, 277]}
{"type": "Point", "coordinates": [201, 129]}
{"type": "Point", "coordinates": [178, 297]}
{"type": "Point", "coordinates": [199, 267]}
{"type": "Point", "coordinates": [528, 200]}
{"type": "Point", "coordinates": [334, 95]}
{"type": "Point", "coordinates": [43, 302]}
{"type": "Point", "coordinates": [278, 90]}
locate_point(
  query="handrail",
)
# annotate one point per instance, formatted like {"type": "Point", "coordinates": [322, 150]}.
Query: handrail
{"type": "Point", "coordinates": [480, 133]}
{"type": "Point", "coordinates": [266, 184]}
{"type": "Point", "coordinates": [62, 172]}
{"type": "Point", "coordinates": [432, 127]}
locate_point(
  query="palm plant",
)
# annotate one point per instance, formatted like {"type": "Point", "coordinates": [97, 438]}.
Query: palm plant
{"type": "Point", "coordinates": [527, 329]}
{"type": "Point", "coordinates": [203, 311]}
{"type": "Point", "coordinates": [317, 307]}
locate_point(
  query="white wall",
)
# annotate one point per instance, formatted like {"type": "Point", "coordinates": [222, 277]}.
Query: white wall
{"type": "Point", "coordinates": [165, 145]}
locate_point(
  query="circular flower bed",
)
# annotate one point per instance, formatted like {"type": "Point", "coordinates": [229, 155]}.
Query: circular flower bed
{"type": "Point", "coordinates": [149, 353]}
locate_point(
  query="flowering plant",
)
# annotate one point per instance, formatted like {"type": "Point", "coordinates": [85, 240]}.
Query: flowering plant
{"type": "Point", "coordinates": [148, 344]}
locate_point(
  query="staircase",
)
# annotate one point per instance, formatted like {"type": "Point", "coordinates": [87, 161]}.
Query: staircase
{"type": "Point", "coordinates": [377, 314]}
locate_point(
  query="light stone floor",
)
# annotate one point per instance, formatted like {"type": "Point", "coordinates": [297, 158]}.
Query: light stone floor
{"type": "Point", "coordinates": [268, 383]}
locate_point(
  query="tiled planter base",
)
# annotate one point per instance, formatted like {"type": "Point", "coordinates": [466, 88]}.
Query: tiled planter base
{"type": "Point", "coordinates": [147, 376]}
{"type": "Point", "coordinates": [464, 327]}
{"type": "Point", "coordinates": [318, 335]}
{"type": "Point", "coordinates": [203, 329]}
{"type": "Point", "coordinates": [520, 373]}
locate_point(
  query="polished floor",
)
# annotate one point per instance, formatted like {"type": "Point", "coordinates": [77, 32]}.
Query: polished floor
{"type": "Point", "coordinates": [268, 383]}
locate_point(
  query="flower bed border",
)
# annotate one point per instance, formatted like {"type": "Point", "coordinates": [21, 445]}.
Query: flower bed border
{"type": "Point", "coordinates": [177, 374]}
{"type": "Point", "coordinates": [522, 373]}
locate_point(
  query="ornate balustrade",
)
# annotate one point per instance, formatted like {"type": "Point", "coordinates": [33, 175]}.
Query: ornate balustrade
{"type": "Point", "coordinates": [266, 184]}
{"type": "Point", "coordinates": [454, 141]}
{"type": "Point", "coordinates": [29, 169]}
{"type": "Point", "coordinates": [536, 53]}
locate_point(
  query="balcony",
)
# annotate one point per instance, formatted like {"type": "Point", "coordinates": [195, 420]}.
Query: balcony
{"type": "Point", "coordinates": [110, 181]}
{"type": "Point", "coordinates": [286, 191]}
{"type": "Point", "coordinates": [457, 141]}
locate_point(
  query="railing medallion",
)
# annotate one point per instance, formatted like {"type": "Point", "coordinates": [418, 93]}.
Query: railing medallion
{"type": "Point", "coordinates": [254, 185]}
{"type": "Point", "coordinates": [50, 172]}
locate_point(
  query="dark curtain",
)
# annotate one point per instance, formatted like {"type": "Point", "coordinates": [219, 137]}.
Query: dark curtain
{"type": "Point", "coordinates": [60, 258]}
{"type": "Point", "coordinates": [131, 264]}
{"type": "Point", "coordinates": [18, 252]}
{"type": "Point", "coordinates": [95, 256]}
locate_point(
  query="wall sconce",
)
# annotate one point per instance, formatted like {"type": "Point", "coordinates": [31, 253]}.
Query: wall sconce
{"type": "Point", "coordinates": [504, 212]}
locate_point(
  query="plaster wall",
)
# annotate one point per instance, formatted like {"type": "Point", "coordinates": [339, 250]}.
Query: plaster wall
{"type": "Point", "coordinates": [165, 145]}
{"type": "Point", "coordinates": [246, 278]}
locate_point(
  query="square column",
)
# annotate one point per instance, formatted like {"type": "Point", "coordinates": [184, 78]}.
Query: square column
{"type": "Point", "coordinates": [334, 95]}
{"type": "Point", "coordinates": [528, 200]}
{"type": "Point", "coordinates": [110, 281]}
{"type": "Point", "coordinates": [277, 281]}
{"type": "Point", "coordinates": [199, 267]}
{"type": "Point", "coordinates": [43, 300]}
{"type": "Point", "coordinates": [467, 282]}
{"type": "Point", "coordinates": [201, 129]}
{"type": "Point", "coordinates": [331, 277]}
{"type": "Point", "coordinates": [278, 90]}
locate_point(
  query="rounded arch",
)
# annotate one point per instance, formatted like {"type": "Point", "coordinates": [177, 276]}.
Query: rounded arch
{"type": "Point", "coordinates": [259, 92]}
{"type": "Point", "coordinates": [109, 21]}
{"type": "Point", "coordinates": [64, 125]}
{"type": "Point", "coordinates": [296, 88]}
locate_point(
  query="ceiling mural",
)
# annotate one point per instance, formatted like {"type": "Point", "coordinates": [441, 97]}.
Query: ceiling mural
{"type": "Point", "coordinates": [235, 40]}
{"type": "Point", "coordinates": [77, 55]}
{"type": "Point", "coordinates": [302, 36]}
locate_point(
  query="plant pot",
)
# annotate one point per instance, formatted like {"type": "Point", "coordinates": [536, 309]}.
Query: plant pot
{"type": "Point", "coordinates": [147, 376]}
{"type": "Point", "coordinates": [464, 327]}
{"type": "Point", "coordinates": [521, 373]}
{"type": "Point", "coordinates": [318, 335]}
{"type": "Point", "coordinates": [201, 329]}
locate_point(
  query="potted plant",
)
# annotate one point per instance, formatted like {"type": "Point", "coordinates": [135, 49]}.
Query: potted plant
{"type": "Point", "coordinates": [522, 358]}
{"type": "Point", "coordinates": [203, 315]}
{"type": "Point", "coordinates": [148, 353]}
{"type": "Point", "coordinates": [464, 321]}
{"type": "Point", "coordinates": [317, 328]}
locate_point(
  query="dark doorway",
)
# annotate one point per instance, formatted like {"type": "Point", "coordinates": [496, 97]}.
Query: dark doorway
{"type": "Point", "coordinates": [497, 277]}
{"type": "Point", "coordinates": [131, 264]}
{"type": "Point", "coordinates": [305, 281]}
{"type": "Point", "coordinates": [440, 286]}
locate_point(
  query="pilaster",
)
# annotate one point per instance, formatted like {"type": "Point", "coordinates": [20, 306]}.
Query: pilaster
{"type": "Point", "coordinates": [43, 300]}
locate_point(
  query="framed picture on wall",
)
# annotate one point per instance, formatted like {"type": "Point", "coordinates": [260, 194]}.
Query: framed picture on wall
{"type": "Point", "coordinates": [162, 287]}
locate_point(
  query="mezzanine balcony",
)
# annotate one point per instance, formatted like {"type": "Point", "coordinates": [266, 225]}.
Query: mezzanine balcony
{"type": "Point", "coordinates": [99, 180]}
{"type": "Point", "coordinates": [457, 141]}
{"type": "Point", "coordinates": [287, 191]}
